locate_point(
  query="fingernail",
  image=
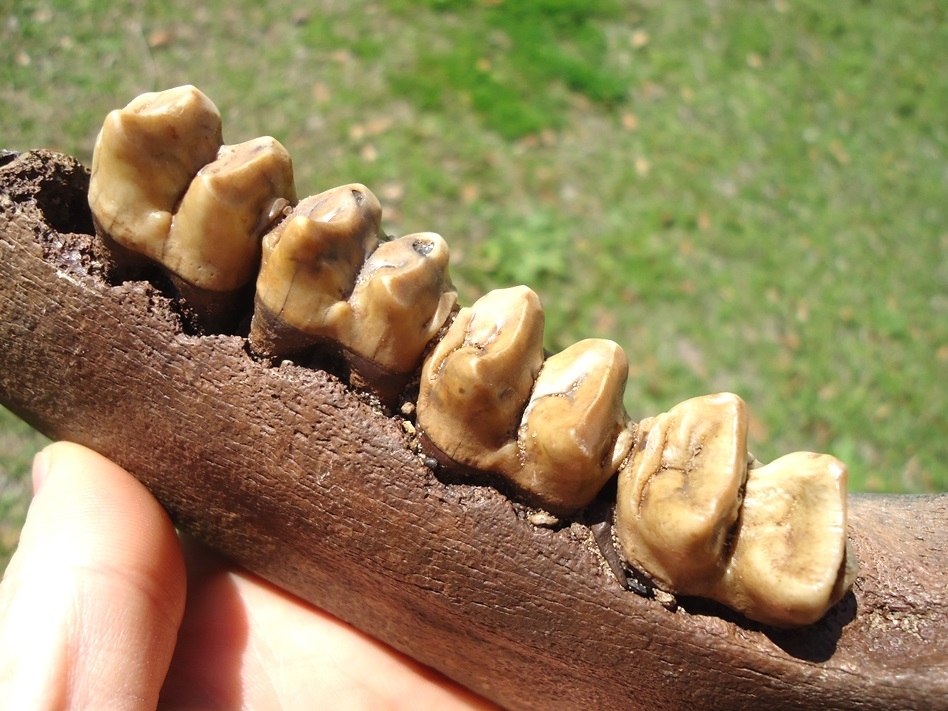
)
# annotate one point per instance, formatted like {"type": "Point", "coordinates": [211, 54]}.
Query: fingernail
{"type": "Point", "coordinates": [40, 469]}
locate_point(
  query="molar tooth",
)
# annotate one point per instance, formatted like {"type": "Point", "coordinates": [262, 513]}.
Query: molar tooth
{"type": "Point", "coordinates": [144, 159]}
{"type": "Point", "coordinates": [574, 432]}
{"type": "Point", "coordinates": [401, 299]}
{"type": "Point", "coordinates": [309, 266]}
{"type": "Point", "coordinates": [214, 241]}
{"type": "Point", "coordinates": [476, 382]}
{"type": "Point", "coordinates": [791, 560]}
{"type": "Point", "coordinates": [680, 492]}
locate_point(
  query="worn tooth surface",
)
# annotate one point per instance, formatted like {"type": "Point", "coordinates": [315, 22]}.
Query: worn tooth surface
{"type": "Point", "coordinates": [214, 241]}
{"type": "Point", "coordinates": [790, 562]}
{"type": "Point", "coordinates": [476, 382]}
{"type": "Point", "coordinates": [144, 160]}
{"type": "Point", "coordinates": [401, 299]}
{"type": "Point", "coordinates": [680, 492]}
{"type": "Point", "coordinates": [574, 432]}
{"type": "Point", "coordinates": [309, 266]}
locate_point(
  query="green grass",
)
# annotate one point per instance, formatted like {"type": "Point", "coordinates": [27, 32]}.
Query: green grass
{"type": "Point", "coordinates": [747, 196]}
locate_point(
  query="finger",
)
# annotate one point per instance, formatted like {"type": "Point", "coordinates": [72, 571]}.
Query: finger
{"type": "Point", "coordinates": [92, 600]}
{"type": "Point", "coordinates": [246, 644]}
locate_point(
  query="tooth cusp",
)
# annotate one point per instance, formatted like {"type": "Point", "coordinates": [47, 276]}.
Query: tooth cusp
{"type": "Point", "coordinates": [679, 493]}
{"type": "Point", "coordinates": [144, 159]}
{"type": "Point", "coordinates": [768, 541]}
{"type": "Point", "coordinates": [402, 297]}
{"type": "Point", "coordinates": [477, 380]}
{"type": "Point", "coordinates": [574, 432]}
{"type": "Point", "coordinates": [214, 240]}
{"type": "Point", "coordinates": [552, 432]}
{"type": "Point", "coordinates": [791, 560]}
{"type": "Point", "coordinates": [308, 268]}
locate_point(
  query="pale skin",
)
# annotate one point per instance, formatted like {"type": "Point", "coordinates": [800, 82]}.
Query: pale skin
{"type": "Point", "coordinates": [104, 607]}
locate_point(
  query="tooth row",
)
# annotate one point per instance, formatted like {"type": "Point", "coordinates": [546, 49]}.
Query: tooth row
{"type": "Point", "coordinates": [695, 513]}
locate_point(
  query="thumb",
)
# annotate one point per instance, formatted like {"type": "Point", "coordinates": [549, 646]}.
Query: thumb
{"type": "Point", "coordinates": [91, 602]}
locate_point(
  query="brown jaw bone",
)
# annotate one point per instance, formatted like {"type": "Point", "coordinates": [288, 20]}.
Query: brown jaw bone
{"type": "Point", "coordinates": [290, 474]}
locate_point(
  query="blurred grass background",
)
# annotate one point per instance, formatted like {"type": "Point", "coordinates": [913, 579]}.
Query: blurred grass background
{"type": "Point", "coordinates": [747, 196]}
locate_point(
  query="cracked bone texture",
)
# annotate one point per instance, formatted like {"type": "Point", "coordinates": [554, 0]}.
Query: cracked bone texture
{"type": "Point", "coordinates": [791, 560]}
{"type": "Point", "coordinates": [680, 492]}
{"type": "Point", "coordinates": [401, 299]}
{"type": "Point", "coordinates": [144, 159]}
{"type": "Point", "coordinates": [476, 382]}
{"type": "Point", "coordinates": [556, 429]}
{"type": "Point", "coordinates": [214, 240]}
{"type": "Point", "coordinates": [309, 266]}
{"type": "Point", "coordinates": [574, 432]}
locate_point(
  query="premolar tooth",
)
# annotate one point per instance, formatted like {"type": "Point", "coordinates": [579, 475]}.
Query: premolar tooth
{"type": "Point", "coordinates": [309, 266]}
{"type": "Point", "coordinates": [476, 382]}
{"type": "Point", "coordinates": [214, 241]}
{"type": "Point", "coordinates": [401, 299]}
{"type": "Point", "coordinates": [574, 432]}
{"type": "Point", "coordinates": [680, 492]}
{"type": "Point", "coordinates": [144, 159]}
{"type": "Point", "coordinates": [791, 561]}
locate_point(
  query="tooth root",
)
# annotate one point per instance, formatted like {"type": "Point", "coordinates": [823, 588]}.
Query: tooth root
{"type": "Point", "coordinates": [574, 432]}
{"type": "Point", "coordinates": [309, 266]}
{"type": "Point", "coordinates": [401, 299]}
{"type": "Point", "coordinates": [679, 494]}
{"type": "Point", "coordinates": [476, 382]}
{"type": "Point", "coordinates": [214, 241]}
{"type": "Point", "coordinates": [144, 159]}
{"type": "Point", "coordinates": [790, 561]}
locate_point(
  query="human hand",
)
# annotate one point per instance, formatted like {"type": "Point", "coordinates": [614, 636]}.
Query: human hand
{"type": "Point", "coordinates": [103, 606]}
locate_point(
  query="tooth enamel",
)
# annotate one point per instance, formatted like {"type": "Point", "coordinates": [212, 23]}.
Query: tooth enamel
{"type": "Point", "coordinates": [790, 562]}
{"type": "Point", "coordinates": [680, 492]}
{"type": "Point", "coordinates": [574, 433]}
{"type": "Point", "coordinates": [214, 240]}
{"type": "Point", "coordinates": [144, 159]}
{"type": "Point", "coordinates": [401, 299]}
{"type": "Point", "coordinates": [476, 382]}
{"type": "Point", "coordinates": [308, 269]}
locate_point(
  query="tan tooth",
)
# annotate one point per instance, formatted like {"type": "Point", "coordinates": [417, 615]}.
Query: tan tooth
{"type": "Point", "coordinates": [574, 433]}
{"type": "Point", "coordinates": [214, 241]}
{"type": "Point", "coordinates": [476, 382]}
{"type": "Point", "coordinates": [790, 561]}
{"type": "Point", "coordinates": [680, 492]}
{"type": "Point", "coordinates": [309, 266]}
{"type": "Point", "coordinates": [401, 299]}
{"type": "Point", "coordinates": [144, 159]}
